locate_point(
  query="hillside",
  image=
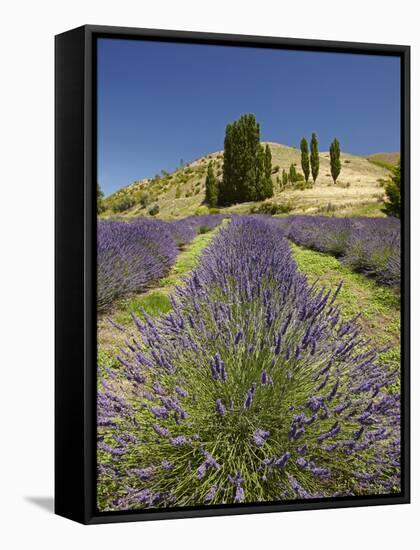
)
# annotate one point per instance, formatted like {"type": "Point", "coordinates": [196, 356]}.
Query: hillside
{"type": "Point", "coordinates": [386, 160]}
{"type": "Point", "coordinates": [359, 190]}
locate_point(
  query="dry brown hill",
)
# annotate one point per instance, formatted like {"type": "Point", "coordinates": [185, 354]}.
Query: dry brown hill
{"type": "Point", "coordinates": [359, 190]}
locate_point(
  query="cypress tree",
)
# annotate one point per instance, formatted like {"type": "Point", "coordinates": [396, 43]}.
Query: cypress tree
{"type": "Point", "coordinates": [268, 187]}
{"type": "Point", "coordinates": [304, 158]}
{"type": "Point", "coordinates": [211, 187]}
{"type": "Point", "coordinates": [335, 162]}
{"type": "Point", "coordinates": [314, 157]}
{"type": "Point", "coordinates": [284, 178]}
{"type": "Point", "coordinates": [244, 163]}
{"type": "Point", "coordinates": [292, 174]}
{"type": "Point", "coordinates": [259, 188]}
{"type": "Point", "coordinates": [226, 190]}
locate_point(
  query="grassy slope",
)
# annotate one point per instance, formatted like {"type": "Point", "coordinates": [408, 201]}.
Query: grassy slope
{"type": "Point", "coordinates": [380, 305]}
{"type": "Point", "coordinates": [359, 188]}
{"type": "Point", "coordinates": [385, 160]}
{"type": "Point", "coordinates": [154, 302]}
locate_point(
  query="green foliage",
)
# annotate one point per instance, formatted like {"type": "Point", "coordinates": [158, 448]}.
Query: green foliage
{"type": "Point", "coordinates": [284, 178]}
{"type": "Point", "coordinates": [145, 198]}
{"type": "Point", "coordinates": [301, 184]}
{"type": "Point", "coordinates": [123, 204]}
{"type": "Point", "coordinates": [268, 183]}
{"type": "Point", "coordinates": [246, 164]}
{"type": "Point", "coordinates": [314, 157]}
{"type": "Point", "coordinates": [304, 158]}
{"type": "Point", "coordinates": [393, 194]}
{"type": "Point", "coordinates": [212, 191]}
{"type": "Point", "coordinates": [178, 192]}
{"type": "Point", "coordinates": [335, 162]}
{"type": "Point", "coordinates": [154, 210]}
{"type": "Point", "coordinates": [275, 169]}
{"type": "Point", "coordinates": [100, 206]}
{"type": "Point", "coordinates": [382, 163]}
{"type": "Point", "coordinates": [292, 174]}
{"type": "Point", "coordinates": [271, 208]}
{"type": "Point", "coordinates": [203, 229]}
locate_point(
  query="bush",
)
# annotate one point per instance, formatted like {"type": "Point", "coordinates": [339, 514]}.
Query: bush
{"type": "Point", "coordinates": [271, 208]}
{"type": "Point", "coordinates": [154, 210]}
{"type": "Point", "coordinates": [203, 229]}
{"type": "Point", "coordinates": [145, 198]}
{"type": "Point", "coordinates": [302, 185]}
{"type": "Point", "coordinates": [123, 204]}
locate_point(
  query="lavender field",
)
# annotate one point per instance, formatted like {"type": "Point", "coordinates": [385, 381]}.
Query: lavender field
{"type": "Point", "coordinates": [131, 256]}
{"type": "Point", "coordinates": [264, 381]}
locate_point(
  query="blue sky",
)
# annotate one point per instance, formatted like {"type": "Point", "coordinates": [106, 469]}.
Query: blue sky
{"type": "Point", "coordinates": [161, 102]}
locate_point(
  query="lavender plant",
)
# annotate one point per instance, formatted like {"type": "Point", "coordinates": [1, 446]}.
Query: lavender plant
{"type": "Point", "coordinates": [368, 245]}
{"type": "Point", "coordinates": [131, 256]}
{"type": "Point", "coordinates": [253, 388]}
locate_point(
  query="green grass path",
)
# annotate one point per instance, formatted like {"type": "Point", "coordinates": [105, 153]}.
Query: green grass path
{"type": "Point", "coordinates": [156, 301]}
{"type": "Point", "coordinates": [379, 305]}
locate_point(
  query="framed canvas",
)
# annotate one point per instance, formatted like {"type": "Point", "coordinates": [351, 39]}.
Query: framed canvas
{"type": "Point", "coordinates": [232, 274]}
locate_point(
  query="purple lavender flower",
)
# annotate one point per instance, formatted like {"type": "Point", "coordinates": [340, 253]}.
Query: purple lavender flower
{"type": "Point", "coordinates": [211, 494]}
{"type": "Point", "coordinates": [166, 465]}
{"type": "Point", "coordinates": [221, 409]}
{"type": "Point", "coordinates": [159, 412]}
{"type": "Point", "coordinates": [178, 441]}
{"type": "Point", "coordinates": [282, 461]}
{"type": "Point", "coordinates": [249, 396]}
{"type": "Point", "coordinates": [259, 437]}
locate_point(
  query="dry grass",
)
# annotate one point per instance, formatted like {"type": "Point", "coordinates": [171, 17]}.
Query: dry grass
{"type": "Point", "coordinates": [358, 189]}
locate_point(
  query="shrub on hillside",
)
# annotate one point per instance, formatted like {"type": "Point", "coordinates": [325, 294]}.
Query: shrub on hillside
{"type": "Point", "coordinates": [123, 204]}
{"type": "Point", "coordinates": [271, 208]}
{"type": "Point", "coordinates": [154, 210]}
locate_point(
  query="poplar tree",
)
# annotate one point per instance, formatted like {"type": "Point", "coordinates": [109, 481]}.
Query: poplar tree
{"type": "Point", "coordinates": [314, 157]}
{"type": "Point", "coordinates": [292, 174]}
{"type": "Point", "coordinates": [284, 178]}
{"type": "Point", "coordinates": [304, 158]}
{"type": "Point", "coordinates": [268, 187]}
{"type": "Point", "coordinates": [211, 187]}
{"type": "Point", "coordinates": [335, 162]}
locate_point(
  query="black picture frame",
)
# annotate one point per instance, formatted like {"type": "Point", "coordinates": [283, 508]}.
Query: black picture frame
{"type": "Point", "coordinates": [75, 270]}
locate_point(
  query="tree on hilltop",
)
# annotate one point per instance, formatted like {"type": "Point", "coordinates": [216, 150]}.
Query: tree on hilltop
{"type": "Point", "coordinates": [245, 163]}
{"type": "Point", "coordinates": [304, 159]}
{"type": "Point", "coordinates": [314, 157]}
{"type": "Point", "coordinates": [335, 161]}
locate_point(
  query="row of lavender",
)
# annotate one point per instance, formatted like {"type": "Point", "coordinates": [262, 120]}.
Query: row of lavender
{"type": "Point", "coordinates": [252, 389]}
{"type": "Point", "coordinates": [133, 255]}
{"type": "Point", "coordinates": [368, 245]}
